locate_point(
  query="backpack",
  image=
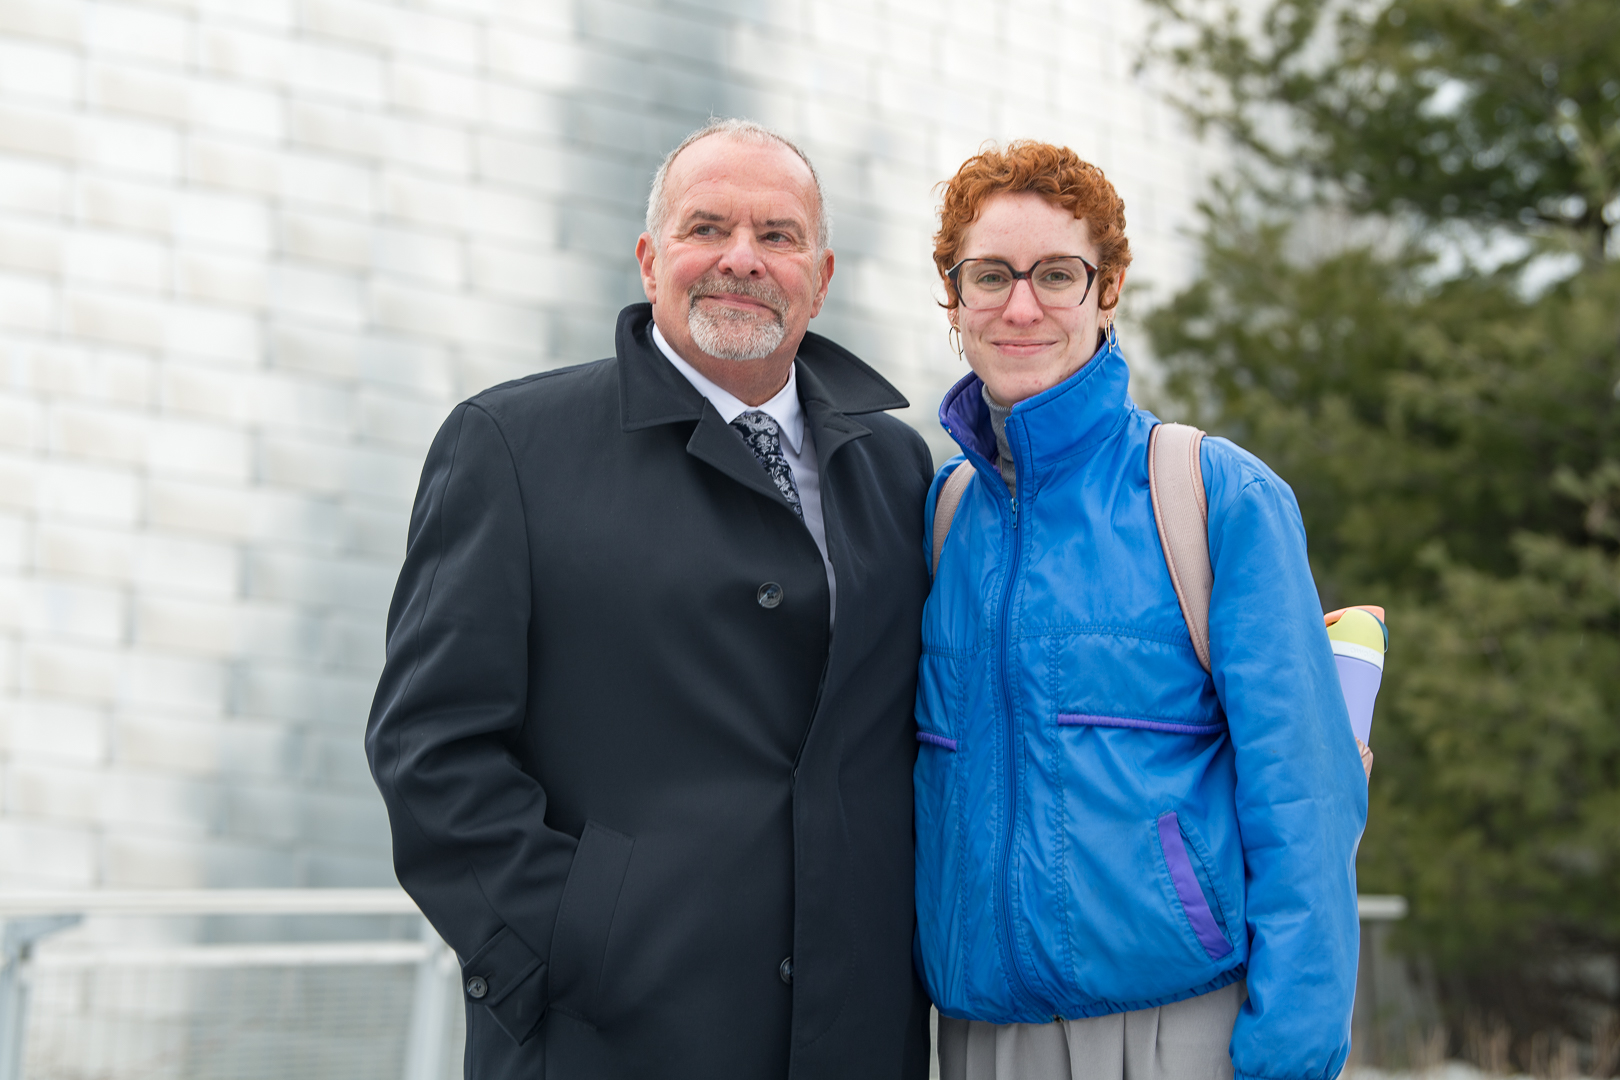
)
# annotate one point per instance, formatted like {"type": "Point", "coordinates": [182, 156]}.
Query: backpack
{"type": "Point", "coordinates": [1181, 511]}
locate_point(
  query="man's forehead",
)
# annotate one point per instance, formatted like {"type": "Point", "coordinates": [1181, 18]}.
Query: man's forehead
{"type": "Point", "coordinates": [734, 170]}
{"type": "Point", "coordinates": [720, 201]}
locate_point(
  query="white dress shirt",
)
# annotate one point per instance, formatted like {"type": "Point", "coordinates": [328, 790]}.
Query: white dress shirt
{"type": "Point", "coordinates": [798, 445]}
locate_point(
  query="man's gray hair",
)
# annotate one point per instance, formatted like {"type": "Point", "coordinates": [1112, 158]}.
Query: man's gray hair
{"type": "Point", "coordinates": [742, 131]}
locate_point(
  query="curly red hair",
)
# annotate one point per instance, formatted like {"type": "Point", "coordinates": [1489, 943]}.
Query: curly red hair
{"type": "Point", "coordinates": [1055, 173]}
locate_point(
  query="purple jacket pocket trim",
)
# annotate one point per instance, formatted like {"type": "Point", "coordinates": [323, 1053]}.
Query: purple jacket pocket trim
{"type": "Point", "coordinates": [936, 740]}
{"type": "Point", "coordinates": [1069, 719]}
{"type": "Point", "coordinates": [1187, 888]}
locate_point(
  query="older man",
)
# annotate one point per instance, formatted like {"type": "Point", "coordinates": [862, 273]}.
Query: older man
{"type": "Point", "coordinates": [645, 731]}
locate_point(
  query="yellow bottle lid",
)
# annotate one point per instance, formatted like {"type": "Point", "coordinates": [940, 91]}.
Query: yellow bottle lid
{"type": "Point", "coordinates": [1357, 626]}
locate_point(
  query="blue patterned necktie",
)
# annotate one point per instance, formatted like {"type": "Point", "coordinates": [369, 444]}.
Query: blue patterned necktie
{"type": "Point", "coordinates": [759, 431]}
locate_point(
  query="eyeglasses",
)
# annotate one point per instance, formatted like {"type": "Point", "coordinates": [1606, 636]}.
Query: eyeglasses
{"type": "Point", "coordinates": [986, 284]}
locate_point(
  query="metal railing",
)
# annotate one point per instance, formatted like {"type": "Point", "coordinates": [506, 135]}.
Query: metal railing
{"type": "Point", "coordinates": [34, 951]}
{"type": "Point", "coordinates": [31, 951]}
{"type": "Point", "coordinates": [1381, 908]}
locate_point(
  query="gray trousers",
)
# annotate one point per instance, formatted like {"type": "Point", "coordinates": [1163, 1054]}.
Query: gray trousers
{"type": "Point", "coordinates": [1188, 1040]}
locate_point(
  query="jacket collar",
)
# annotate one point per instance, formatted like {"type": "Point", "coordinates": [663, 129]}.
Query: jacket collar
{"type": "Point", "coordinates": [834, 387]}
{"type": "Point", "coordinates": [1069, 419]}
{"type": "Point", "coordinates": [831, 379]}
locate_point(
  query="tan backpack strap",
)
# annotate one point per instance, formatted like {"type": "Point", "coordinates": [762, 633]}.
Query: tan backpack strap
{"type": "Point", "coordinates": [1176, 481]}
{"type": "Point", "coordinates": [945, 508]}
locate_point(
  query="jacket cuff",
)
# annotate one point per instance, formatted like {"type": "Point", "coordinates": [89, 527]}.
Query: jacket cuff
{"type": "Point", "coordinates": [509, 980]}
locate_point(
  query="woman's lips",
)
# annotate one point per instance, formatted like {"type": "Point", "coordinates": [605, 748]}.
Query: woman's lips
{"type": "Point", "coordinates": [1023, 348]}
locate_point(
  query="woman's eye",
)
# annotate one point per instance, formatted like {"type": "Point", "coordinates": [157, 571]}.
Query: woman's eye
{"type": "Point", "coordinates": [990, 279]}
{"type": "Point", "coordinates": [1057, 277]}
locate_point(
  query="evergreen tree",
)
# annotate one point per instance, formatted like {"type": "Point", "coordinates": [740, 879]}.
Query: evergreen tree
{"type": "Point", "coordinates": [1409, 305]}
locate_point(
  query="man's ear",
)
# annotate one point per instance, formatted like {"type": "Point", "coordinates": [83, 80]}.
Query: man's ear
{"type": "Point", "coordinates": [824, 273]}
{"type": "Point", "coordinates": [646, 254]}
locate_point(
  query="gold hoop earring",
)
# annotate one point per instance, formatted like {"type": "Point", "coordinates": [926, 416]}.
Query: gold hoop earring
{"type": "Point", "coordinates": [954, 336]}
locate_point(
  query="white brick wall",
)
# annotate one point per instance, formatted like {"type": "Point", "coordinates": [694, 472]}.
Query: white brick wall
{"type": "Point", "coordinates": [252, 251]}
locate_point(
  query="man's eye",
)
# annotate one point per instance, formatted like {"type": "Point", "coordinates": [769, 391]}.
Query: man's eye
{"type": "Point", "coordinates": [777, 238]}
{"type": "Point", "coordinates": [704, 230]}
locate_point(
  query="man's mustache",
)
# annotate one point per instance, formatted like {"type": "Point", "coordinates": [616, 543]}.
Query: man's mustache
{"type": "Point", "coordinates": [765, 294]}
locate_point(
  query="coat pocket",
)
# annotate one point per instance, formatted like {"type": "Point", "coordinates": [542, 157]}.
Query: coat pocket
{"type": "Point", "coordinates": [584, 918]}
{"type": "Point", "coordinates": [1188, 881]}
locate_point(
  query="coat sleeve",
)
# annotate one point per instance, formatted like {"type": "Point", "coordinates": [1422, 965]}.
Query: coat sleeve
{"type": "Point", "coordinates": [1301, 794]}
{"type": "Point", "coordinates": [471, 844]}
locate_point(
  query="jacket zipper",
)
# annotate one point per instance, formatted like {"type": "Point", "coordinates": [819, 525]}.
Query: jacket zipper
{"type": "Point", "coordinates": [1021, 986]}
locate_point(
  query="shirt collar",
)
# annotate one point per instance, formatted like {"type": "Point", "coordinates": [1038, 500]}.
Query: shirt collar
{"type": "Point", "coordinates": [784, 408]}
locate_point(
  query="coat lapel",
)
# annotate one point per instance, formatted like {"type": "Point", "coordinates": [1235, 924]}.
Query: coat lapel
{"type": "Point", "coordinates": [651, 391]}
{"type": "Point", "coordinates": [717, 442]}
{"type": "Point", "coordinates": [833, 384]}
{"type": "Point", "coordinates": [831, 429]}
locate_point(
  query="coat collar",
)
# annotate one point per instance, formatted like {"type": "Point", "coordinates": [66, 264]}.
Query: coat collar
{"type": "Point", "coordinates": [652, 392]}
{"type": "Point", "coordinates": [834, 387]}
{"type": "Point", "coordinates": [1071, 418]}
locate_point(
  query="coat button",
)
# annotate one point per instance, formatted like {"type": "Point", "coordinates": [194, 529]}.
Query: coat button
{"type": "Point", "coordinates": [785, 970]}
{"type": "Point", "coordinates": [770, 594]}
{"type": "Point", "coordinates": [477, 987]}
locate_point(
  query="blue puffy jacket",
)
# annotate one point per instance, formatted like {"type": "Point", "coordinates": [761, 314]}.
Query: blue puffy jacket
{"type": "Point", "coordinates": [1101, 825]}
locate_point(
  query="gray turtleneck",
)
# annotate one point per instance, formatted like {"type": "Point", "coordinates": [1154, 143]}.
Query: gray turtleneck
{"type": "Point", "coordinates": [998, 420]}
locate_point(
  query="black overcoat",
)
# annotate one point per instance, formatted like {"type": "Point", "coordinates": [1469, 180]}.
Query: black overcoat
{"type": "Point", "coordinates": [659, 809]}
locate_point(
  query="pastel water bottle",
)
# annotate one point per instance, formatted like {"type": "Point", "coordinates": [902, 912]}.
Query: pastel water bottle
{"type": "Point", "coordinates": [1360, 641]}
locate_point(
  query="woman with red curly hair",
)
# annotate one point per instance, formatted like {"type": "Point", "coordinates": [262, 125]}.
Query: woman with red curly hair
{"type": "Point", "coordinates": [1128, 865]}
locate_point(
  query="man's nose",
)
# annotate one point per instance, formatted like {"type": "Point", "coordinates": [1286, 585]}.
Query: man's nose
{"type": "Point", "coordinates": [1022, 307]}
{"type": "Point", "coordinates": [741, 256]}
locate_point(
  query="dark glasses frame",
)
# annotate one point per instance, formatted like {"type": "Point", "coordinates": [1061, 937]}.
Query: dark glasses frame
{"type": "Point", "coordinates": [955, 272]}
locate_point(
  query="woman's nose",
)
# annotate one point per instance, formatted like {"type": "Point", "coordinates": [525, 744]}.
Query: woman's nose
{"type": "Point", "coordinates": [1022, 307]}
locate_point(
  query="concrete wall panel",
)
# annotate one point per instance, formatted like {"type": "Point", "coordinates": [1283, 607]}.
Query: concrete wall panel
{"type": "Point", "coordinates": [253, 251]}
